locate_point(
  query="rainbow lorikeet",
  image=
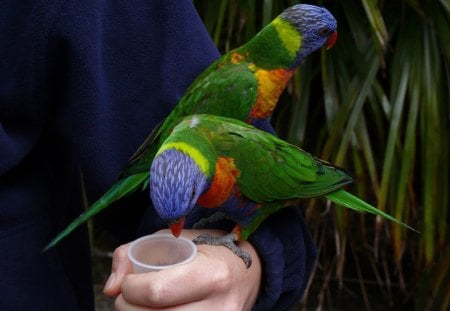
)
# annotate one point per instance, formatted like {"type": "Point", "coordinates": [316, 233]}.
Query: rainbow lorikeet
{"type": "Point", "coordinates": [243, 172]}
{"type": "Point", "coordinates": [243, 84]}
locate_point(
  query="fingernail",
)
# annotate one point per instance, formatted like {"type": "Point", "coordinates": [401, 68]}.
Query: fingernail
{"type": "Point", "coordinates": [111, 280]}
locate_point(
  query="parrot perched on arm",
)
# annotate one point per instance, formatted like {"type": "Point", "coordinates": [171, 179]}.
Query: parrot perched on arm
{"type": "Point", "coordinates": [243, 172]}
{"type": "Point", "coordinates": [243, 84]}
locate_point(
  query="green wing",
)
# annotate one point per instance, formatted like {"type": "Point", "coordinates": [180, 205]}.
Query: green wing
{"type": "Point", "coordinates": [229, 91]}
{"type": "Point", "coordinates": [270, 168]}
{"type": "Point", "coordinates": [223, 89]}
{"type": "Point", "coordinates": [275, 170]}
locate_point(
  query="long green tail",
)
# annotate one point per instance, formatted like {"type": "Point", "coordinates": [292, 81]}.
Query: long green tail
{"type": "Point", "coordinates": [348, 200]}
{"type": "Point", "coordinates": [120, 189]}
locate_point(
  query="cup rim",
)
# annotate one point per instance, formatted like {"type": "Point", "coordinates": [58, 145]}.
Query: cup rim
{"type": "Point", "coordinates": [161, 236]}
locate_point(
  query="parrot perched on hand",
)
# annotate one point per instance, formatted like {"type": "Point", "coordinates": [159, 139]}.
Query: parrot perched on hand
{"type": "Point", "coordinates": [243, 172]}
{"type": "Point", "coordinates": [243, 84]}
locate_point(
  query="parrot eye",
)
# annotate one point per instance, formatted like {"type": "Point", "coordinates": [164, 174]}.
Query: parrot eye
{"type": "Point", "coordinates": [193, 194]}
{"type": "Point", "coordinates": [324, 32]}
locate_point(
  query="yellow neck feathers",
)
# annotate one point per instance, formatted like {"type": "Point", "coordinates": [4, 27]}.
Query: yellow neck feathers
{"type": "Point", "coordinates": [288, 35]}
{"type": "Point", "coordinates": [193, 152]}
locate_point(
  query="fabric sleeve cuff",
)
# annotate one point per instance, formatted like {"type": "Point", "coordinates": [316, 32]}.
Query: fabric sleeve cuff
{"type": "Point", "coordinates": [287, 255]}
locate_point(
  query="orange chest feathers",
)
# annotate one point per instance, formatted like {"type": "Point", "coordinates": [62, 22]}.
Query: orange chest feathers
{"type": "Point", "coordinates": [271, 84]}
{"type": "Point", "coordinates": [222, 185]}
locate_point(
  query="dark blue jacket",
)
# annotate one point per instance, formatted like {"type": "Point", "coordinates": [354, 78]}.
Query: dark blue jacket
{"type": "Point", "coordinates": [82, 83]}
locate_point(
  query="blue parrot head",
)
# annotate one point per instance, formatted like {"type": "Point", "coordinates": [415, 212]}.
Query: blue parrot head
{"type": "Point", "coordinates": [316, 26]}
{"type": "Point", "coordinates": [176, 182]}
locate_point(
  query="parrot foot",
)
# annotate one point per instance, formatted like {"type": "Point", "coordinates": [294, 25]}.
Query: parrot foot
{"type": "Point", "coordinates": [214, 218]}
{"type": "Point", "coordinates": [229, 242]}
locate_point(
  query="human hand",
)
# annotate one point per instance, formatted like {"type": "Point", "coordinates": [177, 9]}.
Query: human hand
{"type": "Point", "coordinates": [216, 279]}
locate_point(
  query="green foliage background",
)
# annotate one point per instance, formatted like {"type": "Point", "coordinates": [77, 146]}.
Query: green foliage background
{"type": "Point", "coordinates": [378, 105]}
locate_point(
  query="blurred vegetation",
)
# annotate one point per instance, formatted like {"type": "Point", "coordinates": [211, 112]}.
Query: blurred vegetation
{"type": "Point", "coordinates": [376, 104]}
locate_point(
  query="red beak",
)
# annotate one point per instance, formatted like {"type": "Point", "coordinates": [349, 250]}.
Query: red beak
{"type": "Point", "coordinates": [331, 40]}
{"type": "Point", "coordinates": [177, 226]}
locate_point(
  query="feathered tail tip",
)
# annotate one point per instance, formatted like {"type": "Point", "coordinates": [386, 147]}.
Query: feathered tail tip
{"type": "Point", "coordinates": [348, 200]}
{"type": "Point", "coordinates": [74, 224]}
{"type": "Point", "coordinates": [122, 188]}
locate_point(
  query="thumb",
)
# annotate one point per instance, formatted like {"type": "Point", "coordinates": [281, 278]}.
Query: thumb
{"type": "Point", "coordinates": [121, 266]}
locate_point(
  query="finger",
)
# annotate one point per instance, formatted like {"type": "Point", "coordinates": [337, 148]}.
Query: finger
{"type": "Point", "coordinates": [179, 285]}
{"type": "Point", "coordinates": [120, 267]}
{"type": "Point", "coordinates": [122, 305]}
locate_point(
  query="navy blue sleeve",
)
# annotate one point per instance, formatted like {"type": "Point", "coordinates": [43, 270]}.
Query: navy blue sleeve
{"type": "Point", "coordinates": [82, 83]}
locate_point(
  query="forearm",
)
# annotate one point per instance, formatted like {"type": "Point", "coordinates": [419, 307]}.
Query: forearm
{"type": "Point", "coordinates": [288, 255]}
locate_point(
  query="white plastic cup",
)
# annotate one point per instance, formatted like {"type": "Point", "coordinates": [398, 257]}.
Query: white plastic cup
{"type": "Point", "coordinates": [160, 251]}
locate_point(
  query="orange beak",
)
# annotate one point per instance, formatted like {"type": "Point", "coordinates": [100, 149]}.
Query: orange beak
{"type": "Point", "coordinates": [176, 226]}
{"type": "Point", "coordinates": [331, 40]}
